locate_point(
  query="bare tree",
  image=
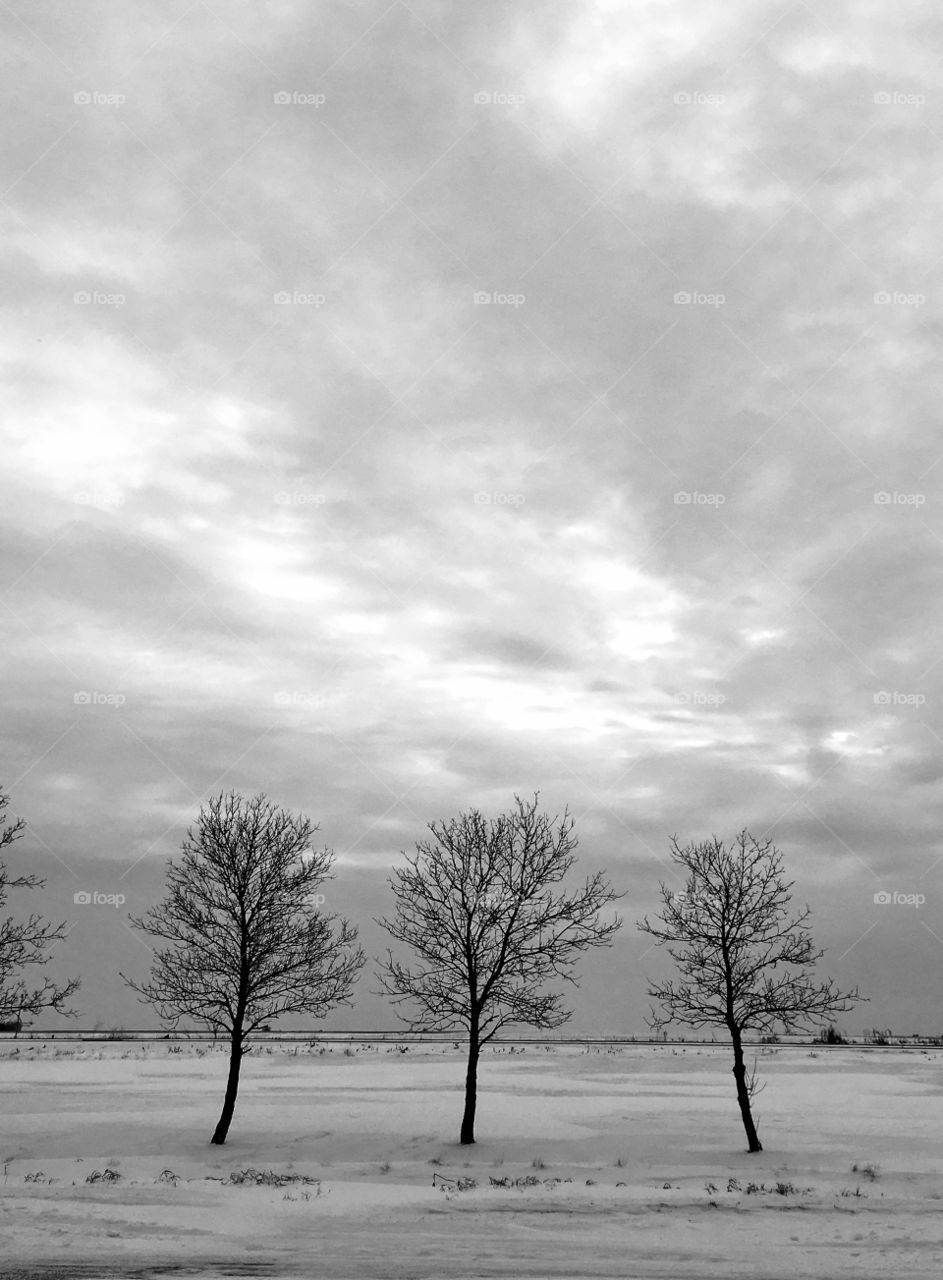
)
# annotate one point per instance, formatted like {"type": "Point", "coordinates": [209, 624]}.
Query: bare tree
{"type": "Point", "coordinates": [247, 942]}
{"type": "Point", "coordinates": [26, 942]}
{"type": "Point", "coordinates": [475, 903]}
{"type": "Point", "coordinates": [745, 963]}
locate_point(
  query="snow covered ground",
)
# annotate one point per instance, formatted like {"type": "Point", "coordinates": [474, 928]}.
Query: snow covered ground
{"type": "Point", "coordinates": [625, 1163]}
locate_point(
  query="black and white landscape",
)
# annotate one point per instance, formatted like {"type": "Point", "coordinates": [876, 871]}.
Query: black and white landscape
{"type": "Point", "coordinates": [471, 548]}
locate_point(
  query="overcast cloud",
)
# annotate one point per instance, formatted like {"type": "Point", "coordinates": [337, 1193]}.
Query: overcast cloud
{"type": "Point", "coordinates": [656, 530]}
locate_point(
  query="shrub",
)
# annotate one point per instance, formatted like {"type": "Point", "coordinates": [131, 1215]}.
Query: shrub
{"type": "Point", "coordinates": [831, 1035]}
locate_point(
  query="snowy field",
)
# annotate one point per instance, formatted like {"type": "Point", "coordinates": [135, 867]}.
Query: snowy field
{"type": "Point", "coordinates": [628, 1162]}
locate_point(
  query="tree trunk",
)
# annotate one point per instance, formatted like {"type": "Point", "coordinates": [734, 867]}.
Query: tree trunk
{"type": "Point", "coordinates": [743, 1093]}
{"type": "Point", "coordinates": [232, 1088]}
{"type": "Point", "coordinates": [471, 1089]}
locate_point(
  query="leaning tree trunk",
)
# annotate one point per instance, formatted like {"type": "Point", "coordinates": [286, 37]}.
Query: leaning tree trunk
{"type": "Point", "coordinates": [232, 1088]}
{"type": "Point", "coordinates": [471, 1089]}
{"type": "Point", "coordinates": [743, 1091]}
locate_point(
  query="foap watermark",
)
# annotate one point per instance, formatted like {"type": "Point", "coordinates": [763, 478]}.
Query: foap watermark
{"type": "Point", "coordinates": [98, 498]}
{"type": "Point", "coordinates": [86, 898]}
{"type": "Point", "coordinates": [92, 98]}
{"type": "Point", "coordinates": [295, 298]}
{"type": "Point", "coordinates": [482, 298]}
{"type": "Point", "coordinates": [490, 901]}
{"type": "Point", "coordinates": [683, 298]}
{"type": "Point", "coordinates": [894, 98]}
{"type": "Point", "coordinates": [299, 498]}
{"type": "Point", "coordinates": [294, 98]}
{"type": "Point", "coordinates": [95, 698]}
{"type": "Point", "coordinates": [694, 498]}
{"type": "Point", "coordinates": [886, 298]}
{"type": "Point", "coordinates": [497, 498]}
{"type": "Point", "coordinates": [498, 98]}
{"type": "Point", "coordinates": [92, 298]}
{"type": "Point", "coordinates": [886, 498]}
{"type": "Point", "coordinates": [895, 698]}
{"type": "Point", "coordinates": [698, 698]}
{"type": "Point", "coordinates": [886, 898]}
{"type": "Point", "coordinates": [297, 698]}
{"type": "Point", "coordinates": [694, 98]}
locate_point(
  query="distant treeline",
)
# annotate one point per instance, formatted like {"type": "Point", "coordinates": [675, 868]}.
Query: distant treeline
{"type": "Point", "coordinates": [874, 1036]}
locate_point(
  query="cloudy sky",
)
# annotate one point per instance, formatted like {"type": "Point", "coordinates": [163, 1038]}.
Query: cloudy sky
{"type": "Point", "coordinates": [407, 405]}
